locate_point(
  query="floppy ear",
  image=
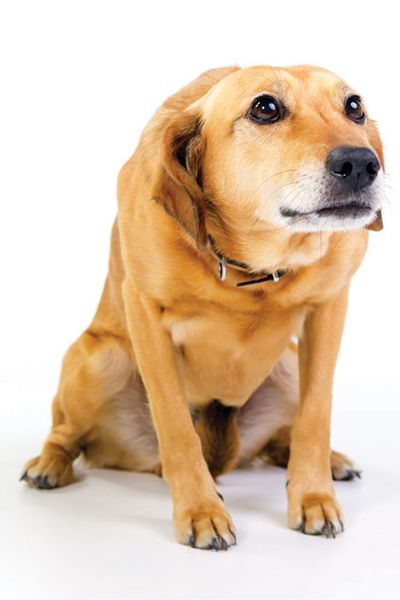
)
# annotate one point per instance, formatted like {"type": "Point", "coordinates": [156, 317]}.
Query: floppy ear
{"type": "Point", "coordinates": [377, 224]}
{"type": "Point", "coordinates": [180, 190]}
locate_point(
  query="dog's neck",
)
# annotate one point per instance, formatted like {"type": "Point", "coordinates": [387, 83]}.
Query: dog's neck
{"type": "Point", "coordinates": [225, 262]}
{"type": "Point", "coordinates": [263, 253]}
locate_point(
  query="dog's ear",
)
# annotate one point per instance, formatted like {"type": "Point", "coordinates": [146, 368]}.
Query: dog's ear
{"type": "Point", "coordinates": [377, 223]}
{"type": "Point", "coordinates": [180, 190]}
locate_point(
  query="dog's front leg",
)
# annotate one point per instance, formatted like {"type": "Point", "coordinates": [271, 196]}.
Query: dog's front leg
{"type": "Point", "coordinates": [199, 516]}
{"type": "Point", "coordinates": [313, 507]}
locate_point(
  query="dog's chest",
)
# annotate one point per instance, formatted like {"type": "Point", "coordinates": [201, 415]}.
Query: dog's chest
{"type": "Point", "coordinates": [226, 356]}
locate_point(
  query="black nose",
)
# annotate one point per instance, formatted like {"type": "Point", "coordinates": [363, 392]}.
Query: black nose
{"type": "Point", "coordinates": [356, 168]}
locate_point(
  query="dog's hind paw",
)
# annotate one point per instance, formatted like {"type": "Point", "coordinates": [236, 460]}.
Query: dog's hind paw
{"type": "Point", "coordinates": [48, 471]}
{"type": "Point", "coordinates": [343, 468]}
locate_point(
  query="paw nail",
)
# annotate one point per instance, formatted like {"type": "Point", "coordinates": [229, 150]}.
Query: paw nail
{"type": "Point", "coordinates": [329, 530]}
{"type": "Point", "coordinates": [214, 544]}
{"type": "Point", "coordinates": [233, 534]}
{"type": "Point", "coordinates": [223, 543]}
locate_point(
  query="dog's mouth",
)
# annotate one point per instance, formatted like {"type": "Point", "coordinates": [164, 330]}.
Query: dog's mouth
{"type": "Point", "coordinates": [350, 210]}
{"type": "Point", "coordinates": [320, 206]}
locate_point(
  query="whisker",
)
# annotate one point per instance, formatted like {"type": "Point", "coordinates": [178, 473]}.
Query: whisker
{"type": "Point", "coordinates": [271, 177]}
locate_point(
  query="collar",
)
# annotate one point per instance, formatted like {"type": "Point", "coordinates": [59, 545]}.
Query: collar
{"type": "Point", "coordinates": [223, 262]}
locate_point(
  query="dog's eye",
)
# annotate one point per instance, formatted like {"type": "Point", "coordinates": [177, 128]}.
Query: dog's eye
{"type": "Point", "coordinates": [265, 109]}
{"type": "Point", "coordinates": [354, 109]}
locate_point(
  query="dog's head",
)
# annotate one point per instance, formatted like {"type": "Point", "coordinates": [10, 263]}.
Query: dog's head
{"type": "Point", "coordinates": [275, 150]}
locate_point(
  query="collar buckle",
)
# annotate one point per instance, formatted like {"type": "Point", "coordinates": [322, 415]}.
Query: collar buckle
{"type": "Point", "coordinates": [222, 268]}
{"type": "Point", "coordinates": [276, 275]}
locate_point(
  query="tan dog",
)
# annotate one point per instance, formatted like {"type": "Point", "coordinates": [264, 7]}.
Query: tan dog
{"type": "Point", "coordinates": [242, 218]}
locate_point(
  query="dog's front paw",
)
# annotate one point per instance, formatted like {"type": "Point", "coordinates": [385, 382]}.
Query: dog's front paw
{"type": "Point", "coordinates": [314, 513]}
{"type": "Point", "coordinates": [208, 527]}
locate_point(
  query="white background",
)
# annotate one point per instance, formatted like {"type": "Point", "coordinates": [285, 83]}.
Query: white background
{"type": "Point", "coordinates": [79, 80]}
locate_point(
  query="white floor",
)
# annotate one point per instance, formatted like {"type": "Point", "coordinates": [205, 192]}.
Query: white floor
{"type": "Point", "coordinates": [109, 535]}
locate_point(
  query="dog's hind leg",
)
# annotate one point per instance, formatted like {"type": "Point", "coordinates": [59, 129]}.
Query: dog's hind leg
{"type": "Point", "coordinates": [277, 452]}
{"type": "Point", "coordinates": [95, 368]}
{"type": "Point", "coordinates": [265, 421]}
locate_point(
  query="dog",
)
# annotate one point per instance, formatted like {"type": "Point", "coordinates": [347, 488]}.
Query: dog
{"type": "Point", "coordinates": [242, 216]}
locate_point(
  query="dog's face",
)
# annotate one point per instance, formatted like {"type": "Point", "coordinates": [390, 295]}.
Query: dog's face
{"type": "Point", "coordinates": [284, 149]}
{"type": "Point", "coordinates": [295, 146]}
